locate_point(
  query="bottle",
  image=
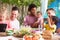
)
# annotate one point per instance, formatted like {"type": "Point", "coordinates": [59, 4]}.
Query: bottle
{"type": "Point", "coordinates": [40, 29]}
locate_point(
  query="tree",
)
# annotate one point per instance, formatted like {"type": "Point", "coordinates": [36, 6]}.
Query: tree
{"type": "Point", "coordinates": [50, 1]}
{"type": "Point", "coordinates": [23, 4]}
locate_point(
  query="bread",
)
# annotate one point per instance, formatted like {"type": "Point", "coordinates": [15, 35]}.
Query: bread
{"type": "Point", "coordinates": [47, 35]}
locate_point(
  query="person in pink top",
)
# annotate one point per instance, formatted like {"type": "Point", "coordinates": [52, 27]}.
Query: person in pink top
{"type": "Point", "coordinates": [31, 18]}
{"type": "Point", "coordinates": [3, 18]}
{"type": "Point", "coordinates": [40, 19]}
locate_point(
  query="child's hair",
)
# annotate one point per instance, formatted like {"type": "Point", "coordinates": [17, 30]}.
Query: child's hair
{"type": "Point", "coordinates": [55, 19]}
{"type": "Point", "coordinates": [39, 12]}
{"type": "Point", "coordinates": [3, 11]}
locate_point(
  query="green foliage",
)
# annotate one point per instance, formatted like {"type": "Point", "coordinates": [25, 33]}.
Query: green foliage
{"type": "Point", "coordinates": [50, 1]}
{"type": "Point", "coordinates": [21, 2]}
{"type": "Point", "coordinates": [5, 1]}
{"type": "Point", "coordinates": [25, 2]}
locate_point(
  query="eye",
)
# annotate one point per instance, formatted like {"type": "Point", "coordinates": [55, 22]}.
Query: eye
{"type": "Point", "coordinates": [13, 14]}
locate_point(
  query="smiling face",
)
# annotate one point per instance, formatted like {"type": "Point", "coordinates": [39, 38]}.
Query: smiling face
{"type": "Point", "coordinates": [50, 13]}
{"type": "Point", "coordinates": [14, 14]}
{"type": "Point", "coordinates": [33, 11]}
{"type": "Point", "coordinates": [39, 14]}
{"type": "Point", "coordinates": [2, 17]}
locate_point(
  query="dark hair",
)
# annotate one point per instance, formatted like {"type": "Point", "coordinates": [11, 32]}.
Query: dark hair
{"type": "Point", "coordinates": [15, 8]}
{"type": "Point", "coordinates": [50, 9]}
{"type": "Point", "coordinates": [39, 12]}
{"type": "Point", "coordinates": [55, 19]}
{"type": "Point", "coordinates": [31, 6]}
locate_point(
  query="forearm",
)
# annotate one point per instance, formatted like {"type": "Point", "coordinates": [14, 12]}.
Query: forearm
{"type": "Point", "coordinates": [42, 23]}
{"type": "Point", "coordinates": [49, 22]}
{"type": "Point", "coordinates": [34, 25]}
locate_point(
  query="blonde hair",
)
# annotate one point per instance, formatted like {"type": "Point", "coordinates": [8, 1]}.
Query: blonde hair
{"type": "Point", "coordinates": [3, 11]}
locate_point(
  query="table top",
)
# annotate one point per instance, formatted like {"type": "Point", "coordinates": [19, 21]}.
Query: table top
{"type": "Point", "coordinates": [9, 38]}
{"type": "Point", "coordinates": [54, 37]}
{"type": "Point", "coordinates": [13, 38]}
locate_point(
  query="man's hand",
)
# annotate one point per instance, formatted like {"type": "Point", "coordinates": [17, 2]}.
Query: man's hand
{"type": "Point", "coordinates": [35, 25]}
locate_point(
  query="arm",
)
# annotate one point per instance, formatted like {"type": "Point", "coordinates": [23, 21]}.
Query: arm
{"type": "Point", "coordinates": [49, 22]}
{"type": "Point", "coordinates": [25, 21]}
{"type": "Point", "coordinates": [42, 22]}
{"type": "Point", "coordinates": [35, 24]}
{"type": "Point", "coordinates": [9, 26]}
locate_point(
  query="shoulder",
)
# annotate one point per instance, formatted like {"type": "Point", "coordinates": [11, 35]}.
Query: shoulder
{"type": "Point", "coordinates": [26, 16]}
{"type": "Point", "coordinates": [17, 20]}
{"type": "Point", "coordinates": [14, 21]}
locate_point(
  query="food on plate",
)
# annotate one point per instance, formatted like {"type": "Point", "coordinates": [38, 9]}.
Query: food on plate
{"type": "Point", "coordinates": [32, 37]}
{"type": "Point", "coordinates": [47, 35]}
{"type": "Point", "coordinates": [28, 37]}
{"type": "Point", "coordinates": [23, 31]}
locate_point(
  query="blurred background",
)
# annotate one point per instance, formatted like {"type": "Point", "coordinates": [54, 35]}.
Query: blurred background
{"type": "Point", "coordinates": [42, 5]}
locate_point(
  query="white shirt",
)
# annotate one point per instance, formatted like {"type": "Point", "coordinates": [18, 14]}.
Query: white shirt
{"type": "Point", "coordinates": [15, 24]}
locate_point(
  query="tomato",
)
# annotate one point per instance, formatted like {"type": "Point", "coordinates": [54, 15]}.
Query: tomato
{"type": "Point", "coordinates": [27, 37]}
{"type": "Point", "coordinates": [35, 38]}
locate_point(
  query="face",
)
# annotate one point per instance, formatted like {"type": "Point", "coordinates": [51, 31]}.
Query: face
{"type": "Point", "coordinates": [50, 13]}
{"type": "Point", "coordinates": [2, 17]}
{"type": "Point", "coordinates": [39, 15]}
{"type": "Point", "coordinates": [33, 11]}
{"type": "Point", "coordinates": [14, 14]}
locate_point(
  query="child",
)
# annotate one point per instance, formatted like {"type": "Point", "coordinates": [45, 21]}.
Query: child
{"type": "Point", "coordinates": [3, 18]}
{"type": "Point", "coordinates": [51, 26]}
{"type": "Point", "coordinates": [40, 19]}
{"type": "Point", "coordinates": [13, 19]}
